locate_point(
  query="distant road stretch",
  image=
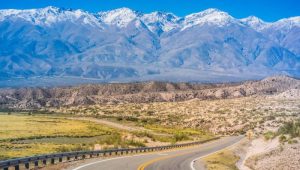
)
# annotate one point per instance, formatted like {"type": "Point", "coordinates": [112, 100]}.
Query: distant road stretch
{"type": "Point", "coordinates": [118, 125]}
{"type": "Point", "coordinates": [179, 159]}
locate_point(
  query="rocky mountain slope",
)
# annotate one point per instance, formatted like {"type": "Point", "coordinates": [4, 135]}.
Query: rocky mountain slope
{"type": "Point", "coordinates": [123, 45]}
{"type": "Point", "coordinates": [29, 98]}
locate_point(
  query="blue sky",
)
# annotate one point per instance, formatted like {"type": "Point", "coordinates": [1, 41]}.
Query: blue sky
{"type": "Point", "coordinates": [268, 10]}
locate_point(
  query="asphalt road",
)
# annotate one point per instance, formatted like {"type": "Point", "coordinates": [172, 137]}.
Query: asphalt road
{"type": "Point", "coordinates": [179, 159]}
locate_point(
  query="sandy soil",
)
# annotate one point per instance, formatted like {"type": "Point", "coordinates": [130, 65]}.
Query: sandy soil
{"type": "Point", "coordinates": [251, 148]}
{"type": "Point", "coordinates": [285, 157]}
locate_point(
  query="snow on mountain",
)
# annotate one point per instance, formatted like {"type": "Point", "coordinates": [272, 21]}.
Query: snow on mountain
{"type": "Point", "coordinates": [161, 22]}
{"type": "Point", "coordinates": [254, 22]}
{"type": "Point", "coordinates": [120, 17]}
{"type": "Point", "coordinates": [49, 15]}
{"type": "Point", "coordinates": [287, 22]}
{"type": "Point", "coordinates": [285, 32]}
{"type": "Point", "coordinates": [127, 45]}
{"type": "Point", "coordinates": [209, 16]}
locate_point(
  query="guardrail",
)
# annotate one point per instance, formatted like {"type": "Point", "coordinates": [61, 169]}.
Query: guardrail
{"type": "Point", "coordinates": [43, 160]}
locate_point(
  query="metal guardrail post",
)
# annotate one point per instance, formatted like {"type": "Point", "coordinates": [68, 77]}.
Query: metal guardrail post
{"type": "Point", "coordinates": [27, 165]}
{"type": "Point", "coordinates": [52, 161]}
{"type": "Point", "coordinates": [36, 163]}
{"type": "Point", "coordinates": [35, 159]}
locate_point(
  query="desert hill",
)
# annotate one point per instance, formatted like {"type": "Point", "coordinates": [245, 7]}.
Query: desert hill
{"type": "Point", "coordinates": [30, 98]}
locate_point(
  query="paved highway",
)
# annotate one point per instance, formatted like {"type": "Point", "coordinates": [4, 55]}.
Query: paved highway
{"type": "Point", "coordinates": [179, 159]}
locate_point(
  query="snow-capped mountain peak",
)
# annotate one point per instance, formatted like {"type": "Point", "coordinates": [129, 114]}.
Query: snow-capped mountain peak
{"type": "Point", "coordinates": [209, 16]}
{"type": "Point", "coordinates": [120, 17]}
{"type": "Point", "coordinates": [161, 16]}
{"type": "Point", "coordinates": [165, 21]}
{"type": "Point", "coordinates": [64, 42]}
{"type": "Point", "coordinates": [36, 16]}
{"type": "Point", "coordinates": [50, 9]}
{"type": "Point", "coordinates": [49, 15]}
{"type": "Point", "coordinates": [254, 22]}
{"type": "Point", "coordinates": [288, 22]}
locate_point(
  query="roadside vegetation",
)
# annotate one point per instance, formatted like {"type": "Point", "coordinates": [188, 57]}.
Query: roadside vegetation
{"type": "Point", "coordinates": [223, 116]}
{"type": "Point", "coordinates": [287, 132]}
{"type": "Point", "coordinates": [291, 128]}
{"type": "Point", "coordinates": [162, 123]}
{"type": "Point", "coordinates": [223, 160]}
{"type": "Point", "coordinates": [27, 134]}
{"type": "Point", "coordinates": [24, 135]}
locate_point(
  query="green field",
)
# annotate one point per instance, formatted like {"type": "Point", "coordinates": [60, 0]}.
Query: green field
{"type": "Point", "coordinates": [32, 134]}
{"type": "Point", "coordinates": [24, 135]}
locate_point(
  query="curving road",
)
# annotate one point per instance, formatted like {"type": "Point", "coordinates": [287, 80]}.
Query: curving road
{"type": "Point", "coordinates": [179, 159]}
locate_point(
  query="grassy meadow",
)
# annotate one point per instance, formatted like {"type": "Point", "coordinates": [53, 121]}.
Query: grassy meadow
{"type": "Point", "coordinates": [23, 135]}
{"type": "Point", "coordinates": [32, 134]}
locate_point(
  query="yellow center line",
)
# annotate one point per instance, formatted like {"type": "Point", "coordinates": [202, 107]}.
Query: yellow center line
{"type": "Point", "coordinates": [145, 164]}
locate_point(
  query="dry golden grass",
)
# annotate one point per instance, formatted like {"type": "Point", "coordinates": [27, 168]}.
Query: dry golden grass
{"type": "Point", "coordinates": [32, 126]}
{"type": "Point", "coordinates": [223, 160]}
{"type": "Point", "coordinates": [24, 135]}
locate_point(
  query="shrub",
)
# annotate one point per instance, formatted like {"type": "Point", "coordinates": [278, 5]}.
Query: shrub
{"type": "Point", "coordinates": [180, 137]}
{"type": "Point", "coordinates": [269, 135]}
{"type": "Point", "coordinates": [282, 139]}
{"type": "Point", "coordinates": [143, 134]}
{"type": "Point", "coordinates": [119, 118]}
{"type": "Point", "coordinates": [292, 141]}
{"type": "Point", "coordinates": [291, 128]}
{"type": "Point", "coordinates": [66, 148]}
{"type": "Point", "coordinates": [135, 143]}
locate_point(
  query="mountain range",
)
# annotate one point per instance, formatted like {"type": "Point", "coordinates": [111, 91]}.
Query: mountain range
{"type": "Point", "coordinates": [56, 46]}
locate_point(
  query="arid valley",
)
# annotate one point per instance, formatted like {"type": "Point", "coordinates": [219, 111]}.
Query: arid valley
{"type": "Point", "coordinates": [88, 117]}
{"type": "Point", "coordinates": [149, 85]}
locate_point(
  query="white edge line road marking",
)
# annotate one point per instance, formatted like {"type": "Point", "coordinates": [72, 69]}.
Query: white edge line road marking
{"type": "Point", "coordinates": [85, 165]}
{"type": "Point", "coordinates": [194, 160]}
{"type": "Point", "coordinates": [191, 164]}
{"type": "Point", "coordinates": [105, 160]}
